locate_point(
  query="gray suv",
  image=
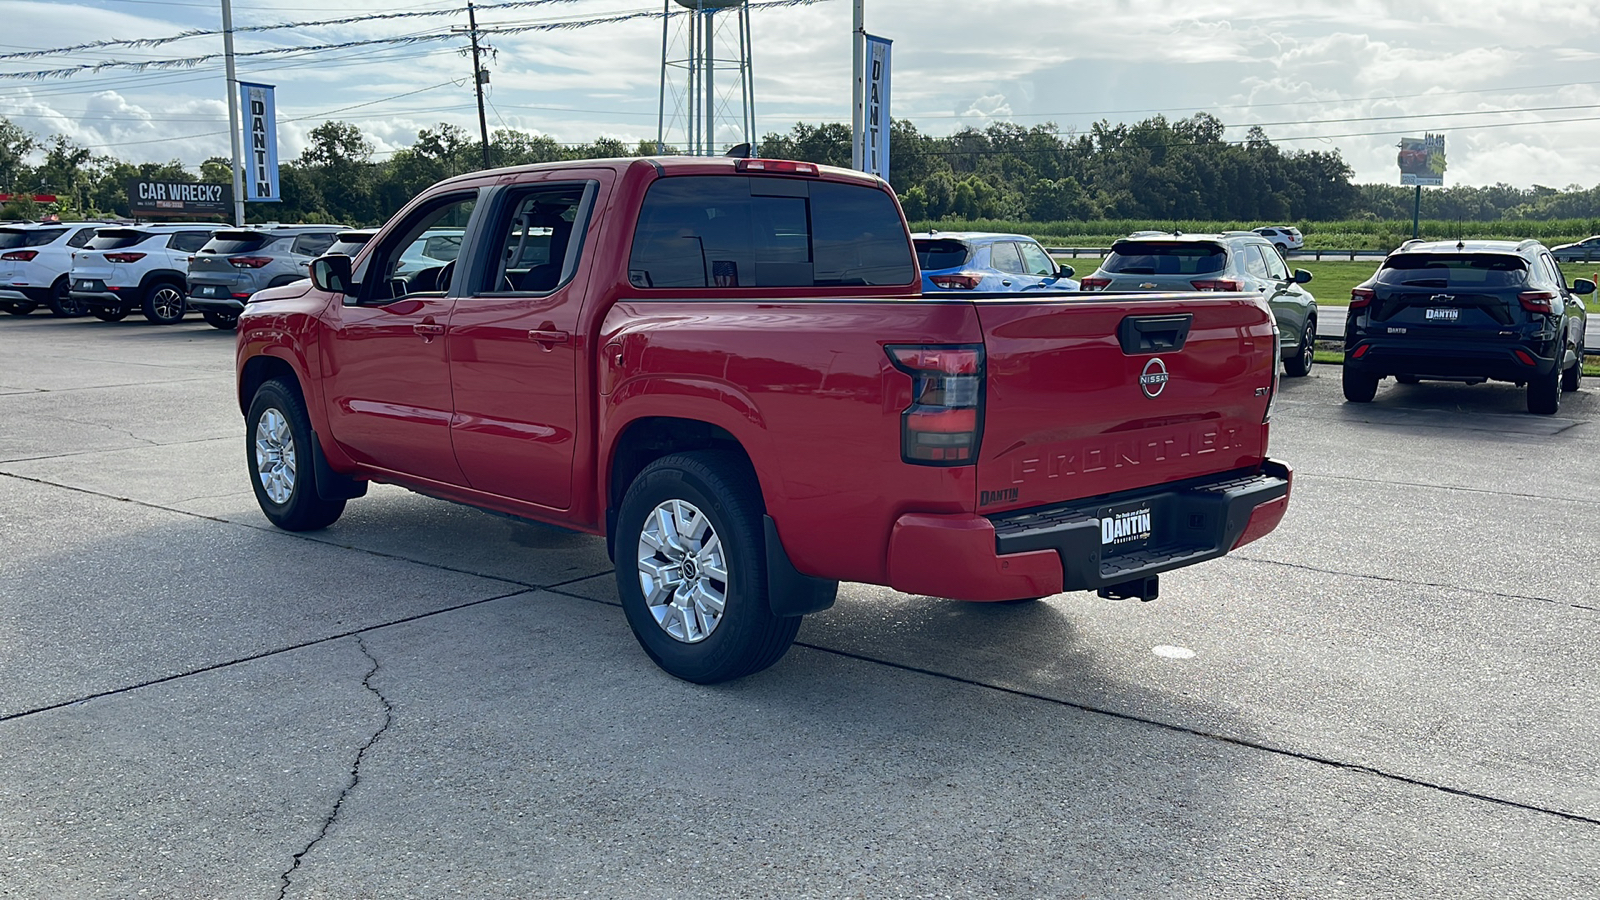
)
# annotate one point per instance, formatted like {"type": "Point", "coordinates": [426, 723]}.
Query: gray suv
{"type": "Point", "coordinates": [237, 262]}
{"type": "Point", "coordinates": [1230, 261]}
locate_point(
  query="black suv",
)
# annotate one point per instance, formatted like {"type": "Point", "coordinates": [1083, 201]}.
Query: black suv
{"type": "Point", "coordinates": [1467, 311]}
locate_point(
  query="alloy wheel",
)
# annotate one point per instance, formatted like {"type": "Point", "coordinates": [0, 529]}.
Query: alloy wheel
{"type": "Point", "coordinates": [683, 571]}
{"type": "Point", "coordinates": [275, 456]}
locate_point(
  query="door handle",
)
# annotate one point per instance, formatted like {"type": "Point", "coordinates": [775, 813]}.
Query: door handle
{"type": "Point", "coordinates": [548, 338]}
{"type": "Point", "coordinates": [428, 330]}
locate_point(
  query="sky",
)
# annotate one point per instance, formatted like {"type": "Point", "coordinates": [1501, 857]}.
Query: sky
{"type": "Point", "coordinates": [1513, 84]}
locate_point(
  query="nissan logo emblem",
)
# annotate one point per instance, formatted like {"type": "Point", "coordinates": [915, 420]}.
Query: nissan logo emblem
{"type": "Point", "coordinates": [1153, 380]}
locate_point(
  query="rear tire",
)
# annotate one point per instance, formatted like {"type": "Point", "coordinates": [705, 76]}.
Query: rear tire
{"type": "Point", "coordinates": [164, 303]}
{"type": "Point", "coordinates": [222, 320]}
{"type": "Point", "coordinates": [61, 303]}
{"type": "Point", "coordinates": [1572, 378]}
{"type": "Point", "coordinates": [279, 456]}
{"type": "Point", "coordinates": [21, 307]}
{"type": "Point", "coordinates": [691, 568]}
{"type": "Point", "coordinates": [1299, 365]}
{"type": "Point", "coordinates": [1359, 387]}
{"type": "Point", "coordinates": [1544, 393]}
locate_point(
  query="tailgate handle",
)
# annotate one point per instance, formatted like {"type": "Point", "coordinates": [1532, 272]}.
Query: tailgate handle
{"type": "Point", "coordinates": [1154, 334]}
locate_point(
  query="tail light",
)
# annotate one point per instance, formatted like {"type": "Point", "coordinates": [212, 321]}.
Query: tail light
{"type": "Point", "coordinates": [19, 255]}
{"type": "Point", "coordinates": [1362, 297]}
{"type": "Point", "coordinates": [956, 282]}
{"type": "Point", "coordinates": [944, 422]}
{"type": "Point", "coordinates": [248, 262]}
{"type": "Point", "coordinates": [1094, 284]}
{"type": "Point", "coordinates": [124, 257]}
{"type": "Point", "coordinates": [1537, 301]}
{"type": "Point", "coordinates": [781, 166]}
{"type": "Point", "coordinates": [1221, 284]}
{"type": "Point", "coordinates": [1523, 357]}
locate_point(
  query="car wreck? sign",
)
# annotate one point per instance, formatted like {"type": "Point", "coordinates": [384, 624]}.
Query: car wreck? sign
{"type": "Point", "coordinates": [178, 198]}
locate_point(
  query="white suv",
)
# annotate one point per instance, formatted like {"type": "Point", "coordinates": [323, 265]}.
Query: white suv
{"type": "Point", "coordinates": [34, 260]}
{"type": "Point", "coordinates": [1284, 237]}
{"type": "Point", "coordinates": [143, 267]}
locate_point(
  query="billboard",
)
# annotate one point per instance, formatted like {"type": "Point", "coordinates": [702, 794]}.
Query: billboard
{"type": "Point", "coordinates": [148, 197]}
{"type": "Point", "coordinates": [260, 142]}
{"type": "Point", "coordinates": [1422, 161]}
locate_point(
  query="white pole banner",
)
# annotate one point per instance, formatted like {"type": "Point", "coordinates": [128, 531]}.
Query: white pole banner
{"type": "Point", "coordinates": [260, 143]}
{"type": "Point", "coordinates": [877, 156]}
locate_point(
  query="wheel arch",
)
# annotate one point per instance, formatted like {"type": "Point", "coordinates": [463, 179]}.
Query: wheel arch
{"type": "Point", "coordinates": [258, 370]}
{"type": "Point", "coordinates": [173, 276]}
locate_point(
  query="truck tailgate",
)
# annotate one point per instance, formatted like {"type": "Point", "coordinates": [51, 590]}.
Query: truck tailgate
{"type": "Point", "coordinates": [1086, 397]}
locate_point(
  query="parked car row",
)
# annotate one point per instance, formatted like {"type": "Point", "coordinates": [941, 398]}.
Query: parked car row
{"type": "Point", "coordinates": [166, 270]}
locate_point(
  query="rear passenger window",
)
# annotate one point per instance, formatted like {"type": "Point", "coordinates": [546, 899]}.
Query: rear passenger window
{"type": "Point", "coordinates": [313, 244]}
{"type": "Point", "coordinates": [82, 238]}
{"type": "Point", "coordinates": [537, 238]}
{"type": "Point", "coordinates": [189, 241]}
{"type": "Point", "coordinates": [1003, 256]}
{"type": "Point", "coordinates": [745, 232]}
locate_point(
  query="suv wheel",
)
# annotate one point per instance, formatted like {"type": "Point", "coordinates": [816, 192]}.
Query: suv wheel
{"type": "Point", "coordinates": [1544, 393]}
{"type": "Point", "coordinates": [1572, 378]}
{"type": "Point", "coordinates": [1359, 387]}
{"type": "Point", "coordinates": [1299, 365]}
{"type": "Point", "coordinates": [61, 302]}
{"type": "Point", "coordinates": [691, 569]}
{"type": "Point", "coordinates": [164, 303]}
{"type": "Point", "coordinates": [278, 453]}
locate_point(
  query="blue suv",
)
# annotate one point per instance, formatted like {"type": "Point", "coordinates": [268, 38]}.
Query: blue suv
{"type": "Point", "coordinates": [1467, 311]}
{"type": "Point", "coordinates": [982, 261]}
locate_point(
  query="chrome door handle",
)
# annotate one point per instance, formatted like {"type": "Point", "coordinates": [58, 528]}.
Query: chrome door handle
{"type": "Point", "coordinates": [548, 339]}
{"type": "Point", "coordinates": [428, 330]}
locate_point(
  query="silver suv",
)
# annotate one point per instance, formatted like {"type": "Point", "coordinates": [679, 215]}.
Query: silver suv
{"type": "Point", "coordinates": [237, 262]}
{"type": "Point", "coordinates": [129, 267]}
{"type": "Point", "coordinates": [1230, 261]}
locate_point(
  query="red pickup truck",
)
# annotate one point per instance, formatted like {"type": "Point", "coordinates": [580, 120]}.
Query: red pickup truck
{"type": "Point", "coordinates": [726, 367]}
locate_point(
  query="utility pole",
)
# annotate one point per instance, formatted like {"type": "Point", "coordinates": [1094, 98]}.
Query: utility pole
{"type": "Point", "coordinates": [233, 114]}
{"type": "Point", "coordinates": [477, 81]}
{"type": "Point", "coordinates": [858, 97]}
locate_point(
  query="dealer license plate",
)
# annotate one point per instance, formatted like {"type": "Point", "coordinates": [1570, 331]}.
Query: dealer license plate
{"type": "Point", "coordinates": [1126, 527]}
{"type": "Point", "coordinates": [1444, 315]}
{"type": "Point", "coordinates": [207, 290]}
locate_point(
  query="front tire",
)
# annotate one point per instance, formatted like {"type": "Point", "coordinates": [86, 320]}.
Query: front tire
{"type": "Point", "coordinates": [1299, 365]}
{"type": "Point", "coordinates": [222, 320]}
{"type": "Point", "coordinates": [691, 569]}
{"type": "Point", "coordinates": [164, 303]}
{"type": "Point", "coordinates": [278, 452]}
{"type": "Point", "coordinates": [1359, 387]}
{"type": "Point", "coordinates": [1544, 393]}
{"type": "Point", "coordinates": [1572, 378]}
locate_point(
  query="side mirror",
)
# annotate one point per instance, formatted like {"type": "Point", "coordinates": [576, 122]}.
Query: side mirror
{"type": "Point", "coordinates": [1583, 286]}
{"type": "Point", "coordinates": [331, 273]}
{"type": "Point", "coordinates": [1065, 272]}
{"type": "Point", "coordinates": [1301, 276]}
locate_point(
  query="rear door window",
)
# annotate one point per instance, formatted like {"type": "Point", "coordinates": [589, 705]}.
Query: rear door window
{"type": "Point", "coordinates": [189, 241]}
{"type": "Point", "coordinates": [82, 238]}
{"type": "Point", "coordinates": [1275, 267]}
{"type": "Point", "coordinates": [941, 253]}
{"type": "Point", "coordinates": [1003, 256]}
{"type": "Point", "coordinates": [758, 231]}
{"type": "Point", "coordinates": [537, 239]}
{"type": "Point", "coordinates": [1165, 258]}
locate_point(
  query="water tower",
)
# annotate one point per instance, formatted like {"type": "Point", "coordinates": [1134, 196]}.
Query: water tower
{"type": "Point", "coordinates": [708, 103]}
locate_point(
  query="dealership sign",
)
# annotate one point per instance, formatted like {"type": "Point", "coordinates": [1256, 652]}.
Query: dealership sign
{"type": "Point", "coordinates": [260, 142]}
{"type": "Point", "coordinates": [876, 156]}
{"type": "Point", "coordinates": [178, 198]}
{"type": "Point", "coordinates": [1422, 161]}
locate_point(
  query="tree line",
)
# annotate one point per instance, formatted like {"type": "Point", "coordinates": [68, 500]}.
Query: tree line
{"type": "Point", "coordinates": [1156, 169]}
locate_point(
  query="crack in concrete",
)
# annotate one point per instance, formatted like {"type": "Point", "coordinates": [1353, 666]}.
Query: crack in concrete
{"type": "Point", "coordinates": [355, 770]}
{"type": "Point", "coordinates": [1387, 579]}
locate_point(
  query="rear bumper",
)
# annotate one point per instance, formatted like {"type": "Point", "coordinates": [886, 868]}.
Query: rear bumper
{"type": "Point", "coordinates": [216, 304]}
{"type": "Point", "coordinates": [1452, 359]}
{"type": "Point", "coordinates": [1071, 547]}
{"type": "Point", "coordinates": [106, 299]}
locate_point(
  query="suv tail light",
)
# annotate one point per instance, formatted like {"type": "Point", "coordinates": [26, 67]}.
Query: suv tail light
{"type": "Point", "coordinates": [1093, 284]}
{"type": "Point", "coordinates": [1220, 284]}
{"type": "Point", "coordinates": [249, 262]}
{"type": "Point", "coordinates": [956, 282]}
{"type": "Point", "coordinates": [124, 257]}
{"type": "Point", "coordinates": [944, 422]}
{"type": "Point", "coordinates": [1537, 301]}
{"type": "Point", "coordinates": [19, 255]}
{"type": "Point", "coordinates": [1360, 297]}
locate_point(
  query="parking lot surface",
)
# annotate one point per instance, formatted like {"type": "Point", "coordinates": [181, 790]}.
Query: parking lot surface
{"type": "Point", "coordinates": [1394, 695]}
